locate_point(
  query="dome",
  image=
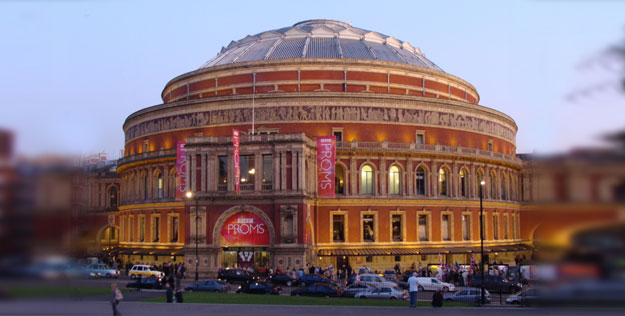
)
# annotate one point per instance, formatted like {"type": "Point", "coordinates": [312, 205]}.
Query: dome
{"type": "Point", "coordinates": [320, 39]}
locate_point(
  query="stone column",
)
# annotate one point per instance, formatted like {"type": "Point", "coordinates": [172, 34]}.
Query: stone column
{"type": "Point", "coordinates": [231, 185]}
{"type": "Point", "coordinates": [258, 175]}
{"type": "Point", "coordinates": [203, 171]}
{"type": "Point", "coordinates": [294, 169]}
{"type": "Point", "coordinates": [409, 177]}
{"type": "Point", "coordinates": [383, 176]}
{"type": "Point", "coordinates": [434, 178]}
{"type": "Point", "coordinates": [276, 171]}
{"type": "Point", "coordinates": [301, 167]}
{"type": "Point", "coordinates": [212, 171]}
{"type": "Point", "coordinates": [353, 173]}
{"type": "Point", "coordinates": [283, 171]}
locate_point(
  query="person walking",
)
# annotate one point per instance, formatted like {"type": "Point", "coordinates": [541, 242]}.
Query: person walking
{"type": "Point", "coordinates": [413, 288]}
{"type": "Point", "coordinates": [116, 296]}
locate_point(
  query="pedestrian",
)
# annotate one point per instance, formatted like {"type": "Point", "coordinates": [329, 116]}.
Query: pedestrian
{"type": "Point", "coordinates": [116, 297]}
{"type": "Point", "coordinates": [169, 294]}
{"type": "Point", "coordinates": [413, 288]}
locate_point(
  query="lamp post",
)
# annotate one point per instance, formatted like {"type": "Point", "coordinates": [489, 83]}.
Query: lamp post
{"type": "Point", "coordinates": [482, 242]}
{"type": "Point", "coordinates": [197, 258]}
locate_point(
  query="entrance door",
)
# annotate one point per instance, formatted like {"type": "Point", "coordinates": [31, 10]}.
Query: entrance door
{"type": "Point", "coordinates": [342, 262]}
{"type": "Point", "coordinates": [245, 259]}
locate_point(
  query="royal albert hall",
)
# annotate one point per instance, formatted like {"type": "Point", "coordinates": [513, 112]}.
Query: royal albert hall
{"type": "Point", "coordinates": [412, 147]}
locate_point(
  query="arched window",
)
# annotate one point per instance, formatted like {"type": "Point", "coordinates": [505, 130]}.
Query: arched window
{"type": "Point", "coordinates": [339, 180]}
{"type": "Point", "coordinates": [478, 183]}
{"type": "Point", "coordinates": [366, 180]}
{"type": "Point", "coordinates": [493, 185]}
{"type": "Point", "coordinates": [443, 184]}
{"type": "Point", "coordinates": [503, 186]}
{"type": "Point", "coordinates": [112, 197]}
{"type": "Point", "coordinates": [394, 181]}
{"type": "Point", "coordinates": [159, 186]}
{"type": "Point", "coordinates": [420, 185]}
{"type": "Point", "coordinates": [463, 183]}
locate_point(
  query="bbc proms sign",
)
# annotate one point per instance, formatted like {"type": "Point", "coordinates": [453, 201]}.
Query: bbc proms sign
{"type": "Point", "coordinates": [244, 229]}
{"type": "Point", "coordinates": [326, 156]}
{"type": "Point", "coordinates": [181, 170]}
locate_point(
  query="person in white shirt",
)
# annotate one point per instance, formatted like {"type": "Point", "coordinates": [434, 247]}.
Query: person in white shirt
{"type": "Point", "coordinates": [413, 288]}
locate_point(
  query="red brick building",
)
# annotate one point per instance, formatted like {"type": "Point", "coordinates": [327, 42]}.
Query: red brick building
{"type": "Point", "coordinates": [413, 144]}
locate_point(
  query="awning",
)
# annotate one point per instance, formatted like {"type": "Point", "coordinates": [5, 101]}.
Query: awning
{"type": "Point", "coordinates": [150, 252]}
{"type": "Point", "coordinates": [335, 252]}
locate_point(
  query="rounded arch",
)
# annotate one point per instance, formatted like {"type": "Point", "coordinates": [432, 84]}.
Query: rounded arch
{"type": "Point", "coordinates": [444, 183]}
{"type": "Point", "coordinates": [395, 179]}
{"type": "Point", "coordinates": [421, 176]}
{"type": "Point", "coordinates": [367, 183]}
{"type": "Point", "coordinates": [243, 208]}
{"type": "Point", "coordinates": [112, 195]}
{"type": "Point", "coordinates": [101, 233]}
{"type": "Point", "coordinates": [340, 178]}
{"type": "Point", "coordinates": [463, 182]}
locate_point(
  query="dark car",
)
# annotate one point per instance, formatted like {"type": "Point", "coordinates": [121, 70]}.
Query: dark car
{"type": "Point", "coordinates": [355, 288]}
{"type": "Point", "coordinates": [281, 279]}
{"type": "Point", "coordinates": [352, 278]}
{"type": "Point", "coordinates": [471, 295]}
{"type": "Point", "coordinates": [146, 283]}
{"type": "Point", "coordinates": [408, 273]}
{"type": "Point", "coordinates": [259, 288]}
{"type": "Point", "coordinates": [495, 284]}
{"type": "Point", "coordinates": [318, 289]}
{"type": "Point", "coordinates": [207, 286]}
{"type": "Point", "coordinates": [236, 275]}
{"type": "Point", "coordinates": [308, 279]}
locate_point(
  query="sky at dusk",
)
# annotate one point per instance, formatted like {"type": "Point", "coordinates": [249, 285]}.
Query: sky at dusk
{"type": "Point", "coordinates": [72, 71]}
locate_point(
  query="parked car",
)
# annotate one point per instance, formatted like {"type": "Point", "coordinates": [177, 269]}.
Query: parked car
{"type": "Point", "coordinates": [318, 289]}
{"type": "Point", "coordinates": [236, 275]}
{"type": "Point", "coordinates": [471, 295]}
{"type": "Point", "coordinates": [432, 284]}
{"type": "Point", "coordinates": [207, 286]}
{"type": "Point", "coordinates": [308, 279]}
{"type": "Point", "coordinates": [408, 273]}
{"type": "Point", "coordinates": [389, 274]}
{"type": "Point", "coordinates": [524, 297]}
{"type": "Point", "coordinates": [374, 279]}
{"type": "Point", "coordinates": [363, 270]}
{"type": "Point", "coordinates": [259, 288]}
{"type": "Point", "coordinates": [384, 292]}
{"type": "Point", "coordinates": [281, 279]}
{"type": "Point", "coordinates": [146, 283]}
{"type": "Point", "coordinates": [144, 271]}
{"type": "Point", "coordinates": [495, 284]}
{"type": "Point", "coordinates": [99, 270]}
{"type": "Point", "coordinates": [356, 287]}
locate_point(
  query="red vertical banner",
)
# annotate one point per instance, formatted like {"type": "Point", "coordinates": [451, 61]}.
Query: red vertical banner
{"type": "Point", "coordinates": [181, 170]}
{"type": "Point", "coordinates": [235, 158]}
{"type": "Point", "coordinates": [326, 157]}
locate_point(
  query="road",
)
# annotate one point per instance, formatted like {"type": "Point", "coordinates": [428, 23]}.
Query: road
{"type": "Point", "coordinates": [95, 308]}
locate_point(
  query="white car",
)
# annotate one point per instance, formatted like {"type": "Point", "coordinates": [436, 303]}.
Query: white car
{"type": "Point", "coordinates": [384, 292]}
{"type": "Point", "coordinates": [432, 284]}
{"type": "Point", "coordinates": [374, 279]}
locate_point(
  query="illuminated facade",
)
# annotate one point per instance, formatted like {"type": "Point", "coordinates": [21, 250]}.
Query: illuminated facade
{"type": "Point", "coordinates": [413, 144]}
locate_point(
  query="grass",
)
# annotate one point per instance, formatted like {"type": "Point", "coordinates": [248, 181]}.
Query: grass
{"type": "Point", "coordinates": [228, 298]}
{"type": "Point", "coordinates": [30, 291]}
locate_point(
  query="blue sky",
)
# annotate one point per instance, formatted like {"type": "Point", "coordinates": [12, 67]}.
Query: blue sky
{"type": "Point", "coordinates": [72, 71]}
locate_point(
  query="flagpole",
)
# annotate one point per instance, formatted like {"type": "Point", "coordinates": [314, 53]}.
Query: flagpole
{"type": "Point", "coordinates": [253, 94]}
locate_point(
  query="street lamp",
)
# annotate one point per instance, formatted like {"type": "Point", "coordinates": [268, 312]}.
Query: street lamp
{"type": "Point", "coordinates": [482, 241]}
{"type": "Point", "coordinates": [197, 258]}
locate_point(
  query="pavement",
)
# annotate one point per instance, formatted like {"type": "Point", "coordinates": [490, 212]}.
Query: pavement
{"type": "Point", "coordinates": [97, 308]}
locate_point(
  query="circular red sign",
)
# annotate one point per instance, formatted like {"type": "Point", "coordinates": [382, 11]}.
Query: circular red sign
{"type": "Point", "coordinates": [244, 229]}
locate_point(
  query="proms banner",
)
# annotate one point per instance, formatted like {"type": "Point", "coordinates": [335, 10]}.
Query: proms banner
{"type": "Point", "coordinates": [181, 170]}
{"type": "Point", "coordinates": [326, 156]}
{"type": "Point", "coordinates": [235, 155]}
{"type": "Point", "coordinates": [244, 229]}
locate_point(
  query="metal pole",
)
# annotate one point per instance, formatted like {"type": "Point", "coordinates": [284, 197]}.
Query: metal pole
{"type": "Point", "coordinates": [482, 243]}
{"type": "Point", "coordinates": [197, 259]}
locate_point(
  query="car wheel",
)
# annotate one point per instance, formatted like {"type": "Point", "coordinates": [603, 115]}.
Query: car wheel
{"type": "Point", "coordinates": [420, 288]}
{"type": "Point", "coordinates": [445, 289]}
{"type": "Point", "coordinates": [363, 297]}
{"type": "Point", "coordinates": [393, 298]}
{"type": "Point", "coordinates": [516, 303]}
{"type": "Point", "coordinates": [289, 283]}
{"type": "Point", "coordinates": [108, 275]}
{"type": "Point", "coordinates": [449, 300]}
{"type": "Point", "coordinates": [297, 294]}
{"type": "Point", "coordinates": [132, 276]}
{"type": "Point", "coordinates": [191, 290]}
{"type": "Point", "coordinates": [326, 296]}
